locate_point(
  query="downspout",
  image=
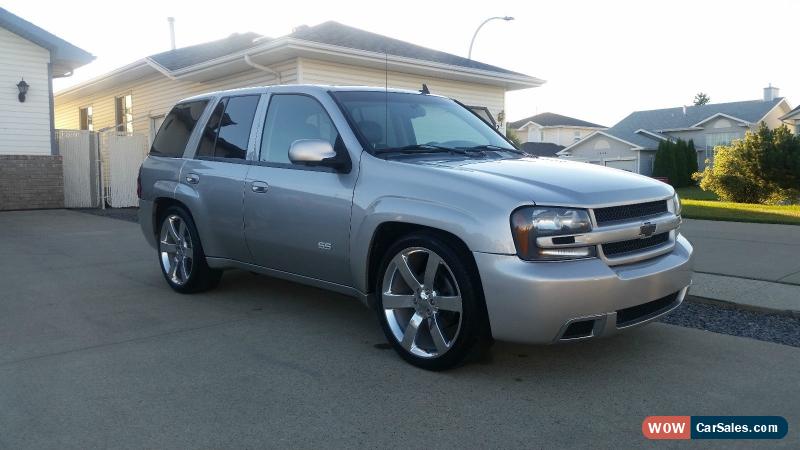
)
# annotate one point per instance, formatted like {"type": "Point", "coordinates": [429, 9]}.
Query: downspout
{"type": "Point", "coordinates": [262, 68]}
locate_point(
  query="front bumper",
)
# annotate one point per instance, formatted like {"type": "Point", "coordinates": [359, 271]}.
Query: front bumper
{"type": "Point", "coordinates": [535, 302]}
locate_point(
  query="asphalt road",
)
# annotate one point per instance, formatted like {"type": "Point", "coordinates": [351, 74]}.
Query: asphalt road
{"type": "Point", "coordinates": [96, 351]}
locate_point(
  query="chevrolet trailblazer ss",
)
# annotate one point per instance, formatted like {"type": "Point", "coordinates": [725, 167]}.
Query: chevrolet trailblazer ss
{"type": "Point", "coordinates": [416, 206]}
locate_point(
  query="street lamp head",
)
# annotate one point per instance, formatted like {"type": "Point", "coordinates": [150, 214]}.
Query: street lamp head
{"type": "Point", "coordinates": [507, 18]}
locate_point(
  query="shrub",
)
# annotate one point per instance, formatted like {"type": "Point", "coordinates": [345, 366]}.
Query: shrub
{"type": "Point", "coordinates": [761, 168]}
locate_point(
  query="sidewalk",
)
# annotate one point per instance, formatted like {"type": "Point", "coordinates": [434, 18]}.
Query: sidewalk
{"type": "Point", "coordinates": [755, 266]}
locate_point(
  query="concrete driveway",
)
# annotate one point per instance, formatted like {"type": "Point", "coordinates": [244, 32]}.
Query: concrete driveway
{"type": "Point", "coordinates": [750, 250]}
{"type": "Point", "coordinates": [96, 351]}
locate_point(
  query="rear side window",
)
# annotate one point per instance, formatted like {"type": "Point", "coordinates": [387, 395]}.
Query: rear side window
{"type": "Point", "coordinates": [174, 133]}
{"type": "Point", "coordinates": [228, 130]}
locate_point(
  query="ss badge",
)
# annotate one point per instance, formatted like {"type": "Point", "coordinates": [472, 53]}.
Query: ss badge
{"type": "Point", "coordinates": [324, 245]}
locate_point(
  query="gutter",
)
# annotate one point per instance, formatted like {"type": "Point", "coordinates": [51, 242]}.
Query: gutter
{"type": "Point", "coordinates": [266, 69]}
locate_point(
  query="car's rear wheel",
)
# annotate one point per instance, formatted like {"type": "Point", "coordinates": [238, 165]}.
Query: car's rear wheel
{"type": "Point", "coordinates": [181, 256]}
{"type": "Point", "coordinates": [429, 303]}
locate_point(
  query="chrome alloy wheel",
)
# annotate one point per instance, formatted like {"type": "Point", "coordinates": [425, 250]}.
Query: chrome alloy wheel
{"type": "Point", "coordinates": [175, 249]}
{"type": "Point", "coordinates": [422, 302]}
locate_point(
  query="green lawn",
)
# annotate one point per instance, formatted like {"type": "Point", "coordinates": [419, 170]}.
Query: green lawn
{"type": "Point", "coordinates": [699, 204]}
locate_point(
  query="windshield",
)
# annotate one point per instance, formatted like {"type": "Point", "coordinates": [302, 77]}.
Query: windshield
{"type": "Point", "coordinates": [414, 122]}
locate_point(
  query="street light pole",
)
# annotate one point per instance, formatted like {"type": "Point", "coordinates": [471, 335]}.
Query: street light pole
{"type": "Point", "coordinates": [506, 18]}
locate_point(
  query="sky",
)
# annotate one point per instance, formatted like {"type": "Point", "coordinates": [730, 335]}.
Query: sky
{"type": "Point", "coordinates": [601, 59]}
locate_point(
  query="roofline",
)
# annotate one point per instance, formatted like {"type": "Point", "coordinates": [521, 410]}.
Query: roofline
{"type": "Point", "coordinates": [559, 126]}
{"type": "Point", "coordinates": [60, 49]}
{"type": "Point", "coordinates": [300, 44]}
{"type": "Point", "coordinates": [635, 147]}
{"type": "Point", "coordinates": [783, 100]}
{"type": "Point", "coordinates": [719, 114]}
{"type": "Point", "coordinates": [655, 135]}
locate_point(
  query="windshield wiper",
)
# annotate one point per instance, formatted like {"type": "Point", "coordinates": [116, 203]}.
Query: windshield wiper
{"type": "Point", "coordinates": [480, 148]}
{"type": "Point", "coordinates": [421, 148]}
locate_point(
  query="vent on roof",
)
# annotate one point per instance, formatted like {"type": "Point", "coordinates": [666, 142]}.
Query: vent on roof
{"type": "Point", "coordinates": [299, 28]}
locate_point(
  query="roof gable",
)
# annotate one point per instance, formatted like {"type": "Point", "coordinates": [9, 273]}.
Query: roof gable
{"type": "Point", "coordinates": [65, 56]}
{"type": "Point", "coordinates": [549, 119]}
{"type": "Point", "coordinates": [657, 120]}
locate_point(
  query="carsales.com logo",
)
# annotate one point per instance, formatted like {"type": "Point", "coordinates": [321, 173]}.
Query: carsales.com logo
{"type": "Point", "coordinates": [715, 427]}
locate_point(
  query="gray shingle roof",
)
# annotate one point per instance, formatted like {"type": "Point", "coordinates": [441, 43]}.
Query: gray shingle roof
{"type": "Point", "coordinates": [331, 33]}
{"type": "Point", "coordinates": [549, 119]}
{"type": "Point", "coordinates": [542, 148]}
{"type": "Point", "coordinates": [791, 113]}
{"type": "Point", "coordinates": [196, 54]}
{"type": "Point", "coordinates": [61, 51]}
{"type": "Point", "coordinates": [671, 118]}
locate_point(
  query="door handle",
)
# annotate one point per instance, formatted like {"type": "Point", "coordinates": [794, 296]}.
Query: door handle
{"type": "Point", "coordinates": [192, 178]}
{"type": "Point", "coordinates": [259, 187]}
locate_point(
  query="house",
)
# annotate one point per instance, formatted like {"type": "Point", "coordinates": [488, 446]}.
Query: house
{"type": "Point", "coordinates": [549, 128]}
{"type": "Point", "coordinates": [631, 144]}
{"type": "Point", "coordinates": [792, 120]}
{"type": "Point", "coordinates": [135, 98]}
{"type": "Point", "coordinates": [30, 168]}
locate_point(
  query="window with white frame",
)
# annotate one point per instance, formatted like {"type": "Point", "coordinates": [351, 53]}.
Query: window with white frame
{"type": "Point", "coordinates": [123, 109]}
{"type": "Point", "coordinates": [714, 140]}
{"type": "Point", "coordinates": [85, 118]}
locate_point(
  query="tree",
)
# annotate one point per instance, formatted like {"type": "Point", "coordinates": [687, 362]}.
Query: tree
{"type": "Point", "coordinates": [512, 136]}
{"type": "Point", "coordinates": [701, 99]}
{"type": "Point", "coordinates": [691, 160]}
{"type": "Point", "coordinates": [764, 167]}
{"type": "Point", "coordinates": [660, 164]}
{"type": "Point", "coordinates": [680, 169]}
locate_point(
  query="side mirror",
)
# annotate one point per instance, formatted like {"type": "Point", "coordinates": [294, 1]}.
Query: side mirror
{"type": "Point", "coordinates": [314, 152]}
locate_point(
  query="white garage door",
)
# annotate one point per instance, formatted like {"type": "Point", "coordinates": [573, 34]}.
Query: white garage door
{"type": "Point", "coordinates": [629, 165]}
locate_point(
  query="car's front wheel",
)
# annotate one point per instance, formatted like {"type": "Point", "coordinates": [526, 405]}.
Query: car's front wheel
{"type": "Point", "coordinates": [181, 256]}
{"type": "Point", "coordinates": [429, 303]}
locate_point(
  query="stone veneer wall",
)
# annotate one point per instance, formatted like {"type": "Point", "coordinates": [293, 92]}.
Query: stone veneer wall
{"type": "Point", "coordinates": [31, 182]}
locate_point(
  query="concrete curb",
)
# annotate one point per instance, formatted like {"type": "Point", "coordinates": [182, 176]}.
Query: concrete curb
{"type": "Point", "coordinates": [744, 306]}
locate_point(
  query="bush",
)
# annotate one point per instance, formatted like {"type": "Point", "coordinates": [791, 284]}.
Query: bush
{"type": "Point", "coordinates": [512, 136]}
{"type": "Point", "coordinates": [676, 161]}
{"type": "Point", "coordinates": [764, 167]}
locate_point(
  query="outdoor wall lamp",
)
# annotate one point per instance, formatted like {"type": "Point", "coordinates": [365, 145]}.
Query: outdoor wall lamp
{"type": "Point", "coordinates": [23, 90]}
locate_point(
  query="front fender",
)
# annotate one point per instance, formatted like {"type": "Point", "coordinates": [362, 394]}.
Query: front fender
{"type": "Point", "coordinates": [477, 233]}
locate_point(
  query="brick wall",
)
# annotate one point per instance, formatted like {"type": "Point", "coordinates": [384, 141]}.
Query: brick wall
{"type": "Point", "coordinates": [31, 181]}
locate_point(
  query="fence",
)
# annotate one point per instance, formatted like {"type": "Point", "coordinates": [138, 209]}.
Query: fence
{"type": "Point", "coordinates": [100, 168]}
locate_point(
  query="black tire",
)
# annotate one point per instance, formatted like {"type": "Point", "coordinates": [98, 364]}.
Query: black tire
{"type": "Point", "coordinates": [473, 337]}
{"type": "Point", "coordinates": [200, 276]}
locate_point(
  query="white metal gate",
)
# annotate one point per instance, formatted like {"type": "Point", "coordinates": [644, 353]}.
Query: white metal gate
{"type": "Point", "coordinates": [122, 154]}
{"type": "Point", "coordinates": [78, 149]}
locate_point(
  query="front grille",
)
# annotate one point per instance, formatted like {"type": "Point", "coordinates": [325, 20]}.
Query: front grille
{"type": "Point", "coordinates": [628, 212]}
{"type": "Point", "coordinates": [640, 313]}
{"type": "Point", "coordinates": [634, 245]}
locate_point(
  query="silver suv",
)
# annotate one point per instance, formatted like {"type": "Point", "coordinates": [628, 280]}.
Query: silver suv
{"type": "Point", "coordinates": [416, 206]}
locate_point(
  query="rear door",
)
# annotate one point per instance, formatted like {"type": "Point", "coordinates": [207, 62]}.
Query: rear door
{"type": "Point", "coordinates": [297, 218]}
{"type": "Point", "coordinates": [212, 183]}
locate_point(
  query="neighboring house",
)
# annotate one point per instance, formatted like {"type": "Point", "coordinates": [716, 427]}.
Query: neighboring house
{"type": "Point", "coordinates": [631, 144]}
{"type": "Point", "coordinates": [136, 97]}
{"type": "Point", "coordinates": [547, 149]}
{"type": "Point", "coordinates": [30, 168]}
{"type": "Point", "coordinates": [792, 120]}
{"type": "Point", "coordinates": [552, 128]}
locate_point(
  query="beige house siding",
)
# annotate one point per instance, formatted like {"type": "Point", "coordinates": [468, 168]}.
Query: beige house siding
{"type": "Point", "coordinates": [154, 95]}
{"type": "Point", "coordinates": [473, 94]}
{"type": "Point", "coordinates": [24, 127]}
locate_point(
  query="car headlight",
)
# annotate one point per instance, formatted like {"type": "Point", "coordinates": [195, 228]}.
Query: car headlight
{"type": "Point", "coordinates": [676, 204]}
{"type": "Point", "coordinates": [530, 222]}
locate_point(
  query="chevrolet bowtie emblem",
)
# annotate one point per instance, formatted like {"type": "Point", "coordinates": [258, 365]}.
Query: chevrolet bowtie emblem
{"type": "Point", "coordinates": [647, 229]}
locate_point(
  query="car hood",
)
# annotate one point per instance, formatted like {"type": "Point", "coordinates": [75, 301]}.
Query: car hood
{"type": "Point", "coordinates": [551, 181]}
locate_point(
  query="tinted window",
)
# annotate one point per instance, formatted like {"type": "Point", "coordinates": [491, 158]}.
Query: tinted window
{"type": "Point", "coordinates": [209, 138]}
{"type": "Point", "coordinates": [177, 127]}
{"type": "Point", "coordinates": [290, 118]}
{"type": "Point", "coordinates": [235, 125]}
